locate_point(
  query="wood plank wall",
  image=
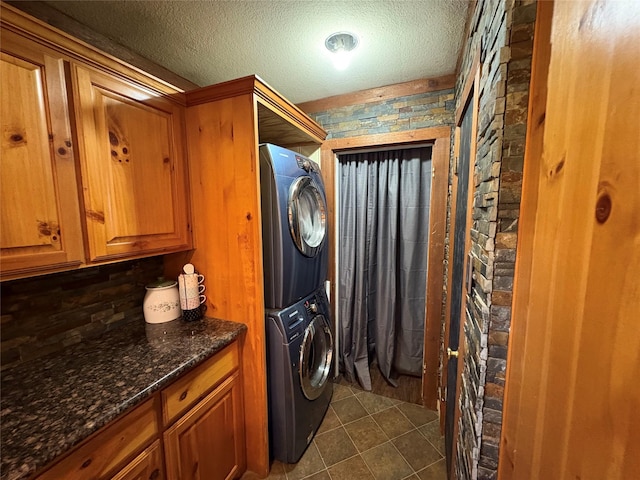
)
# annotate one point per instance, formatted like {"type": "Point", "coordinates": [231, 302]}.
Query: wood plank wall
{"type": "Point", "coordinates": [573, 400]}
{"type": "Point", "coordinates": [227, 233]}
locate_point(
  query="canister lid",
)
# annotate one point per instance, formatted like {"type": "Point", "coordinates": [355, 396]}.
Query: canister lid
{"type": "Point", "coordinates": [161, 283]}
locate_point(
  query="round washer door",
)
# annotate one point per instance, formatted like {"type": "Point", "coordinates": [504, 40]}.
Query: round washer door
{"type": "Point", "coordinates": [307, 216]}
{"type": "Point", "coordinates": [316, 353]}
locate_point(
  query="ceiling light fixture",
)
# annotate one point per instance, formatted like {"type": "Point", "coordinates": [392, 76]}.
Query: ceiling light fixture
{"type": "Point", "coordinates": [341, 44]}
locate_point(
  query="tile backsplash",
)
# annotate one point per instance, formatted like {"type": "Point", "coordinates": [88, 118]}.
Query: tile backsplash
{"type": "Point", "coordinates": [45, 314]}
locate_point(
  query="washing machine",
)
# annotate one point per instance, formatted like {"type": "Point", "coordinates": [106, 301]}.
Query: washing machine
{"type": "Point", "coordinates": [299, 354]}
{"type": "Point", "coordinates": [294, 226]}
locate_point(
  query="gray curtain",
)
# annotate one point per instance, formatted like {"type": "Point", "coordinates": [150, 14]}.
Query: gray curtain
{"type": "Point", "coordinates": [384, 228]}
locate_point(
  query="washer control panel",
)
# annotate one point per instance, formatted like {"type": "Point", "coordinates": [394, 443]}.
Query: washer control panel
{"type": "Point", "coordinates": [295, 324]}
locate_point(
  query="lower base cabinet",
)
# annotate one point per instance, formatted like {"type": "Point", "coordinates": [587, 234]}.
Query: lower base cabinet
{"type": "Point", "coordinates": [146, 466]}
{"type": "Point", "coordinates": [202, 427]}
{"type": "Point", "coordinates": [208, 442]}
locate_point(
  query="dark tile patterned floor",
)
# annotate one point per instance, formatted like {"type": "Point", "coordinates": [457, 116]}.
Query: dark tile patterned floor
{"type": "Point", "coordinates": [365, 436]}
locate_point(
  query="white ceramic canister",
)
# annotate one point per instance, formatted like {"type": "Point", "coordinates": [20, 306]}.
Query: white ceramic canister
{"type": "Point", "coordinates": [161, 302]}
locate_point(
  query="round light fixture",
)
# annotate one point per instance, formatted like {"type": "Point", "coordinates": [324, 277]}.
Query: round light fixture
{"type": "Point", "coordinates": [341, 44]}
{"type": "Point", "coordinates": [341, 41]}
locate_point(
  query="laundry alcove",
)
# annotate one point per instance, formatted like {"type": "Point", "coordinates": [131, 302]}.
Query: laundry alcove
{"type": "Point", "coordinates": [431, 145]}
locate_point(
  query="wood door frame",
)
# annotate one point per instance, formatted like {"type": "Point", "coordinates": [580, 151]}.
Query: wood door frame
{"type": "Point", "coordinates": [439, 138]}
{"type": "Point", "coordinates": [471, 99]}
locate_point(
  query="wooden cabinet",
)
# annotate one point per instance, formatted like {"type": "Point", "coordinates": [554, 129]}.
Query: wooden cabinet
{"type": "Point", "coordinates": [39, 208]}
{"type": "Point", "coordinates": [93, 155]}
{"type": "Point", "coordinates": [225, 125]}
{"type": "Point", "coordinates": [133, 167]}
{"type": "Point", "coordinates": [182, 394]}
{"type": "Point", "coordinates": [208, 441]}
{"type": "Point", "coordinates": [146, 466]}
{"type": "Point", "coordinates": [100, 456]}
{"type": "Point", "coordinates": [200, 418]}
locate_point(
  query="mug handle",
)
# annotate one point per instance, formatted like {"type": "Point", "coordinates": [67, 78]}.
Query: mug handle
{"type": "Point", "coordinates": [201, 288]}
{"type": "Point", "coordinates": [200, 278]}
{"type": "Point", "coordinates": [203, 298]}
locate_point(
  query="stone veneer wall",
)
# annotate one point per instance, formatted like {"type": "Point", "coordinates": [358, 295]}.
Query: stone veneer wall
{"type": "Point", "coordinates": [410, 112]}
{"type": "Point", "coordinates": [44, 314]}
{"type": "Point", "coordinates": [503, 30]}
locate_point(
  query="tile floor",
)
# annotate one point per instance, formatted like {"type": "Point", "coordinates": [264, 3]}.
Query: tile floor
{"type": "Point", "coordinates": [365, 436]}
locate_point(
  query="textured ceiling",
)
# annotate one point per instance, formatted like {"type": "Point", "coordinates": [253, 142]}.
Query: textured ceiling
{"type": "Point", "coordinates": [213, 41]}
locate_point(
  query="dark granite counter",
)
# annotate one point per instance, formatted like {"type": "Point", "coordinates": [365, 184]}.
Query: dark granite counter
{"type": "Point", "coordinates": [52, 404]}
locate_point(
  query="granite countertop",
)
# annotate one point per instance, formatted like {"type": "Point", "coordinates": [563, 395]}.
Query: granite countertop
{"type": "Point", "coordinates": [50, 405]}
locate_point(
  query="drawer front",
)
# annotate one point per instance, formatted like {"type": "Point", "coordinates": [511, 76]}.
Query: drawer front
{"type": "Point", "coordinates": [208, 441]}
{"type": "Point", "coordinates": [146, 466]}
{"type": "Point", "coordinates": [100, 456]}
{"type": "Point", "coordinates": [185, 392]}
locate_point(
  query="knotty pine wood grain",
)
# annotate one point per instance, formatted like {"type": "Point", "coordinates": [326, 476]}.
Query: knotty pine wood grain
{"type": "Point", "coordinates": [578, 341]}
{"type": "Point", "coordinates": [146, 466]}
{"type": "Point", "coordinates": [40, 209]}
{"type": "Point", "coordinates": [100, 456]}
{"type": "Point", "coordinates": [58, 20]}
{"type": "Point", "coordinates": [526, 231]}
{"type": "Point", "coordinates": [133, 164]}
{"type": "Point", "coordinates": [184, 392]}
{"type": "Point", "coordinates": [224, 170]}
{"type": "Point", "coordinates": [208, 441]}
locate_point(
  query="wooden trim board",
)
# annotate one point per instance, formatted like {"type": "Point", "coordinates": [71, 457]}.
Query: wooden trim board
{"type": "Point", "coordinates": [380, 94]}
{"type": "Point", "coordinates": [526, 231]}
{"type": "Point", "coordinates": [59, 41]}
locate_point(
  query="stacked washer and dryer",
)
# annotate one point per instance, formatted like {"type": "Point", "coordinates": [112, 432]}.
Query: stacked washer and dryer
{"type": "Point", "coordinates": [298, 326]}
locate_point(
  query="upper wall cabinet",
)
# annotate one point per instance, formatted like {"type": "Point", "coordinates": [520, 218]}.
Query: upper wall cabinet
{"type": "Point", "coordinates": [39, 207]}
{"type": "Point", "coordinates": [130, 146]}
{"type": "Point", "coordinates": [93, 165]}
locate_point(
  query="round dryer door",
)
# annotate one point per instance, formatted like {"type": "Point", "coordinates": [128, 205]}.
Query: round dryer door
{"type": "Point", "coordinates": [307, 216]}
{"type": "Point", "coordinates": [315, 357]}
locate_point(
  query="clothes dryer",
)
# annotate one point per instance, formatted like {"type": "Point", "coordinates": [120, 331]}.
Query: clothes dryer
{"type": "Point", "coordinates": [299, 354]}
{"type": "Point", "coordinates": [294, 226]}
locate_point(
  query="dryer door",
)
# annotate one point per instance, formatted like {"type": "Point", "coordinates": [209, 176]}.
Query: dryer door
{"type": "Point", "coordinates": [307, 216]}
{"type": "Point", "coordinates": [316, 353]}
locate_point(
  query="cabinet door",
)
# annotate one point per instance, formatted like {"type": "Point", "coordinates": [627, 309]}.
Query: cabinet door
{"type": "Point", "coordinates": [146, 466]}
{"type": "Point", "coordinates": [133, 167]}
{"type": "Point", "coordinates": [207, 443]}
{"type": "Point", "coordinates": [104, 453]}
{"type": "Point", "coordinates": [39, 207]}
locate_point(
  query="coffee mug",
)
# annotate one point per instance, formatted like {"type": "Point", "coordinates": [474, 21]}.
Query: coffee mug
{"type": "Point", "coordinates": [194, 302]}
{"type": "Point", "coordinates": [191, 279]}
{"type": "Point", "coordinates": [191, 290]}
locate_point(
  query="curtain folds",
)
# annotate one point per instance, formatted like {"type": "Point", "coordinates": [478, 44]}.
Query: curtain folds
{"type": "Point", "coordinates": [384, 227]}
